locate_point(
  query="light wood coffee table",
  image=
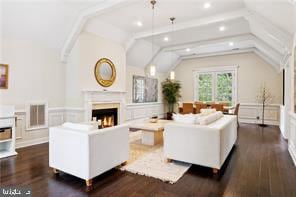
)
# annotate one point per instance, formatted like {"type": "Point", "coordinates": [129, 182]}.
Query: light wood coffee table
{"type": "Point", "coordinates": [152, 133]}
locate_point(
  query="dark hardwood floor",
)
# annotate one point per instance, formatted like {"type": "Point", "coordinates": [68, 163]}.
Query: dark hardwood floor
{"type": "Point", "coordinates": [259, 165]}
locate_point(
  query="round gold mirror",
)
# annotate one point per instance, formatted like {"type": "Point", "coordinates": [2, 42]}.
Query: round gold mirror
{"type": "Point", "coordinates": [105, 72]}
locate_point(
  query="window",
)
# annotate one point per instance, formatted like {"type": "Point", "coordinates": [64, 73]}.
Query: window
{"type": "Point", "coordinates": [216, 84]}
{"type": "Point", "coordinates": [36, 116]}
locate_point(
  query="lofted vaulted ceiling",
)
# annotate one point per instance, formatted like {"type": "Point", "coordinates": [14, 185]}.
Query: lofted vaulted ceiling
{"type": "Point", "coordinates": [265, 27]}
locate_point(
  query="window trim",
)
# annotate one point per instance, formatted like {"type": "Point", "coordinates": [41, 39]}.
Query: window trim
{"type": "Point", "coordinates": [217, 69]}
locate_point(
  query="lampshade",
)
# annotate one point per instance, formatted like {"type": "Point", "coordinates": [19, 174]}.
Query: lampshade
{"type": "Point", "coordinates": [152, 70]}
{"type": "Point", "coordinates": [172, 75]}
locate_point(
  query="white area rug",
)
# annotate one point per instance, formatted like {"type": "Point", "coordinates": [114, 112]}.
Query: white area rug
{"type": "Point", "coordinates": [153, 164]}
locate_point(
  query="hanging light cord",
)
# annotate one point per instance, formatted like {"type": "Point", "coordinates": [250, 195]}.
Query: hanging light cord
{"type": "Point", "coordinates": [172, 21]}
{"type": "Point", "coordinates": [153, 2]}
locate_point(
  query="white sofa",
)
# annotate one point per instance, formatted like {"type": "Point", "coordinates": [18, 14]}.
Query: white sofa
{"type": "Point", "coordinates": [87, 154]}
{"type": "Point", "coordinates": [205, 145]}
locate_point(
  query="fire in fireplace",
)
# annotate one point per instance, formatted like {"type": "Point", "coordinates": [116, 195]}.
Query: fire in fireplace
{"type": "Point", "coordinates": [108, 117]}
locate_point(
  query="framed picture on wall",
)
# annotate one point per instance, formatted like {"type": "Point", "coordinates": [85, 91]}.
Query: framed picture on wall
{"type": "Point", "coordinates": [3, 76]}
{"type": "Point", "coordinates": [145, 89]}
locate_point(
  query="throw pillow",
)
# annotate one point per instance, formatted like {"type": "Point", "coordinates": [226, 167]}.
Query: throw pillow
{"type": "Point", "coordinates": [206, 112]}
{"type": "Point", "coordinates": [184, 118]}
{"type": "Point", "coordinates": [211, 118]}
{"type": "Point", "coordinates": [81, 127]}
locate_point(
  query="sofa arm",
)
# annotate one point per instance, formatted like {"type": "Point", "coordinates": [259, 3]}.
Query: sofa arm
{"type": "Point", "coordinates": [108, 148]}
{"type": "Point", "coordinates": [68, 147]}
{"type": "Point", "coordinates": [193, 144]}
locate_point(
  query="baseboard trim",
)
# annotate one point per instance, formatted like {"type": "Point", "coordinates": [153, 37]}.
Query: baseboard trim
{"type": "Point", "coordinates": [27, 143]}
{"type": "Point", "coordinates": [254, 121]}
{"type": "Point", "coordinates": [283, 135]}
{"type": "Point", "coordinates": [292, 151]}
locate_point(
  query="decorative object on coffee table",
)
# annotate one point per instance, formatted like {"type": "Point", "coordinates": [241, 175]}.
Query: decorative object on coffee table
{"type": "Point", "coordinates": [171, 93]}
{"type": "Point", "coordinates": [154, 119]}
{"type": "Point", "coordinates": [264, 97]}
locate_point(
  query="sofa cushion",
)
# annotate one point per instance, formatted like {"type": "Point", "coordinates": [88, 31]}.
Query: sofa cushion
{"type": "Point", "coordinates": [184, 118]}
{"type": "Point", "coordinates": [206, 112]}
{"type": "Point", "coordinates": [75, 126]}
{"type": "Point", "coordinates": [205, 120]}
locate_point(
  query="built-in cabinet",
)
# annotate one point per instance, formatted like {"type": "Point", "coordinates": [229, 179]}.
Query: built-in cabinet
{"type": "Point", "coordinates": [7, 131]}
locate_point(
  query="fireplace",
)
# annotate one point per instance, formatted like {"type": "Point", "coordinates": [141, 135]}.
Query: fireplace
{"type": "Point", "coordinates": [108, 117]}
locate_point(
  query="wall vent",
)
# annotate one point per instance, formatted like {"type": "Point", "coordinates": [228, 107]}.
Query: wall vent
{"type": "Point", "coordinates": [37, 116]}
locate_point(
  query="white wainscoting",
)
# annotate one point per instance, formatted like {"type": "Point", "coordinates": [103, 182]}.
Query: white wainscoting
{"type": "Point", "coordinates": [292, 137]}
{"type": "Point", "coordinates": [249, 112]}
{"type": "Point", "coordinates": [136, 111]}
{"type": "Point", "coordinates": [74, 115]}
{"type": "Point", "coordinates": [282, 120]}
{"type": "Point", "coordinates": [56, 116]}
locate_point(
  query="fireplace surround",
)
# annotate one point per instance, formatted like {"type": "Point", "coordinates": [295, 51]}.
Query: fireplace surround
{"type": "Point", "coordinates": [98, 100]}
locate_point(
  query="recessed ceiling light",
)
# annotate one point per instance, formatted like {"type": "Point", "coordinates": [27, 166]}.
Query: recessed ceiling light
{"type": "Point", "coordinates": [222, 28]}
{"type": "Point", "coordinates": [188, 50]}
{"type": "Point", "coordinates": [166, 39]}
{"type": "Point", "coordinates": [231, 44]}
{"type": "Point", "coordinates": [207, 5]}
{"type": "Point", "coordinates": [139, 23]}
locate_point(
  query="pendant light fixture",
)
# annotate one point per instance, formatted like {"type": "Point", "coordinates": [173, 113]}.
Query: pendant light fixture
{"type": "Point", "coordinates": [172, 74]}
{"type": "Point", "coordinates": [152, 67]}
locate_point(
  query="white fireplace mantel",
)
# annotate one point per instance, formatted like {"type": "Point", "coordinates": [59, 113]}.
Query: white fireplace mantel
{"type": "Point", "coordinates": [92, 97]}
{"type": "Point", "coordinates": [103, 91]}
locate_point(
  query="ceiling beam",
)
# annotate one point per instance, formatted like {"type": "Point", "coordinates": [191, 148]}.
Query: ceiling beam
{"type": "Point", "coordinates": [191, 45]}
{"type": "Point", "coordinates": [274, 64]}
{"type": "Point", "coordinates": [257, 46]}
{"type": "Point", "coordinates": [100, 8]}
{"type": "Point", "coordinates": [219, 18]}
{"type": "Point", "coordinates": [262, 27]}
{"type": "Point", "coordinates": [230, 52]}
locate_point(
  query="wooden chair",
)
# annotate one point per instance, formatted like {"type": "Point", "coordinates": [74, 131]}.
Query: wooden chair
{"type": "Point", "coordinates": [236, 110]}
{"type": "Point", "coordinates": [187, 108]}
{"type": "Point", "coordinates": [198, 102]}
{"type": "Point", "coordinates": [218, 107]}
{"type": "Point", "coordinates": [199, 106]}
{"type": "Point", "coordinates": [225, 104]}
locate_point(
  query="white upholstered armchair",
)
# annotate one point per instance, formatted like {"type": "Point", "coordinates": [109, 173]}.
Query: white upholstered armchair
{"type": "Point", "coordinates": [87, 154]}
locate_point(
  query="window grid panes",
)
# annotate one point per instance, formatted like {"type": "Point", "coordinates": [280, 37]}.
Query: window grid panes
{"type": "Point", "coordinates": [215, 86]}
{"type": "Point", "coordinates": [205, 82]}
{"type": "Point", "coordinates": [224, 87]}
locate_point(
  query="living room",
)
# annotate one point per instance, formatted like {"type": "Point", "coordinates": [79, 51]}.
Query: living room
{"type": "Point", "coordinates": [86, 105]}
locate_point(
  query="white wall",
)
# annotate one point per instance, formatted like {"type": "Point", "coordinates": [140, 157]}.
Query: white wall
{"type": "Point", "coordinates": [252, 73]}
{"type": "Point", "coordinates": [142, 110]}
{"type": "Point", "coordinates": [130, 72]}
{"type": "Point", "coordinates": [80, 68]}
{"type": "Point", "coordinates": [35, 74]}
{"type": "Point", "coordinates": [1, 27]}
{"type": "Point", "coordinates": [292, 121]}
{"type": "Point", "coordinates": [31, 48]}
